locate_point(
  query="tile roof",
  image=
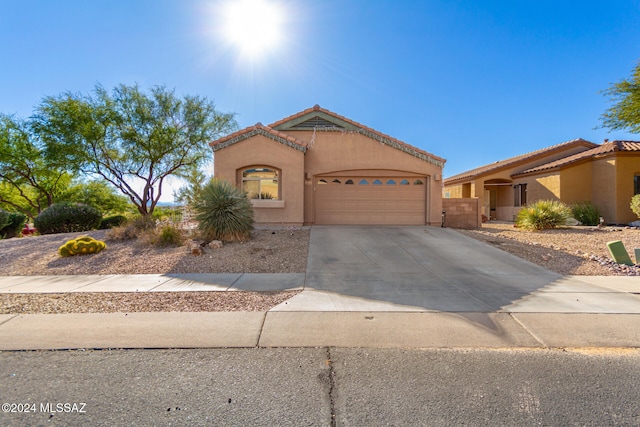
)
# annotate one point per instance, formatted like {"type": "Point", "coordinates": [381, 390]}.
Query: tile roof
{"type": "Point", "coordinates": [259, 129]}
{"type": "Point", "coordinates": [512, 161]}
{"type": "Point", "coordinates": [372, 133]}
{"type": "Point", "coordinates": [606, 148]}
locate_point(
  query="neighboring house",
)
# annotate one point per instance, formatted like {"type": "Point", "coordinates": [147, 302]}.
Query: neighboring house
{"type": "Point", "coordinates": [606, 175]}
{"type": "Point", "coordinates": [317, 167]}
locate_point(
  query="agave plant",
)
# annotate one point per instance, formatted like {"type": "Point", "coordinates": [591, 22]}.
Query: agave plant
{"type": "Point", "coordinates": [223, 212]}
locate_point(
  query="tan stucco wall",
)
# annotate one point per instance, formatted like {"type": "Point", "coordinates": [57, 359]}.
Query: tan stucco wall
{"type": "Point", "coordinates": [627, 165]}
{"type": "Point", "coordinates": [261, 151]}
{"type": "Point", "coordinates": [344, 152]}
{"type": "Point", "coordinates": [603, 187]}
{"type": "Point", "coordinates": [335, 151]}
{"type": "Point", "coordinates": [543, 187]}
{"type": "Point", "coordinates": [455, 191]}
{"type": "Point", "coordinates": [576, 183]}
{"type": "Point", "coordinates": [462, 213]}
{"type": "Point", "coordinates": [506, 210]}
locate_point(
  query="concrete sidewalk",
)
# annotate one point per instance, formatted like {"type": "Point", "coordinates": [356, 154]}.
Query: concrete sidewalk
{"type": "Point", "coordinates": [574, 311]}
{"type": "Point", "coordinates": [152, 283]}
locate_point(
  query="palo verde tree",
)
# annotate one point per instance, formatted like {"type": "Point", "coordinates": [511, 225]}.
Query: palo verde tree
{"type": "Point", "coordinates": [625, 112]}
{"type": "Point", "coordinates": [134, 140]}
{"type": "Point", "coordinates": [28, 183]}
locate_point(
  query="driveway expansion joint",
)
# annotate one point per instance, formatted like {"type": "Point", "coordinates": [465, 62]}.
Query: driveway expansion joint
{"type": "Point", "coordinates": [527, 330]}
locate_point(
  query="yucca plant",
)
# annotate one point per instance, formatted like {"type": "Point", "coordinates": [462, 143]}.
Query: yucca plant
{"type": "Point", "coordinates": [543, 214]}
{"type": "Point", "coordinates": [223, 212]}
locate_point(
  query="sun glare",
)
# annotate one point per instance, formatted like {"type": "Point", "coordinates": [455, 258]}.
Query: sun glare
{"type": "Point", "coordinates": [254, 27]}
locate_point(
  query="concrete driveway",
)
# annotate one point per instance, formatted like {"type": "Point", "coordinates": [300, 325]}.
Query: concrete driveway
{"type": "Point", "coordinates": [419, 268]}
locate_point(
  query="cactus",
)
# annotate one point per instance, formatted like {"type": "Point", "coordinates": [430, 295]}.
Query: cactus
{"type": "Point", "coordinates": [84, 245]}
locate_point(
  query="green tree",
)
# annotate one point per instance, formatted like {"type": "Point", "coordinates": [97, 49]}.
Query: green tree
{"type": "Point", "coordinates": [132, 139]}
{"type": "Point", "coordinates": [188, 194]}
{"type": "Point", "coordinates": [625, 112]}
{"type": "Point", "coordinates": [96, 193]}
{"type": "Point", "coordinates": [28, 183]}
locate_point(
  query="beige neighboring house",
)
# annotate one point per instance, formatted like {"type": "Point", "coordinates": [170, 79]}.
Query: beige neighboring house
{"type": "Point", "coordinates": [606, 175]}
{"type": "Point", "coordinates": [317, 167]}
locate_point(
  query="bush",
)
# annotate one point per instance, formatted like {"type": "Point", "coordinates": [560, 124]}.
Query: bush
{"type": "Point", "coordinates": [11, 224]}
{"type": "Point", "coordinates": [168, 236]}
{"type": "Point", "coordinates": [67, 218]}
{"type": "Point", "coordinates": [224, 212]}
{"type": "Point", "coordinates": [4, 219]}
{"type": "Point", "coordinates": [635, 205]}
{"type": "Point", "coordinates": [543, 214]}
{"type": "Point", "coordinates": [585, 213]}
{"type": "Point", "coordinates": [112, 221]}
{"type": "Point", "coordinates": [132, 229]}
{"type": "Point", "coordinates": [84, 245]}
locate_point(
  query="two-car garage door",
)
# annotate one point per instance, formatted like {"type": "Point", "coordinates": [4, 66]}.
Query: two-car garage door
{"type": "Point", "coordinates": [370, 200]}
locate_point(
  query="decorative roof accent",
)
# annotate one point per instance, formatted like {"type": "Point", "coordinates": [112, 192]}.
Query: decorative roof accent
{"type": "Point", "coordinates": [600, 150]}
{"type": "Point", "coordinates": [259, 129]}
{"type": "Point", "coordinates": [523, 158]}
{"type": "Point", "coordinates": [329, 121]}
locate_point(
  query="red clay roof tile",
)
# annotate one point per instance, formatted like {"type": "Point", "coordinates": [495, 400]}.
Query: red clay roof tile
{"type": "Point", "coordinates": [606, 148]}
{"type": "Point", "coordinates": [523, 158]}
{"type": "Point", "coordinates": [261, 129]}
{"type": "Point", "coordinates": [405, 147]}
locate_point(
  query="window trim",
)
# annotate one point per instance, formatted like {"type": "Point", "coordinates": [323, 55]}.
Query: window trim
{"type": "Point", "coordinates": [278, 178]}
{"type": "Point", "coordinates": [520, 195]}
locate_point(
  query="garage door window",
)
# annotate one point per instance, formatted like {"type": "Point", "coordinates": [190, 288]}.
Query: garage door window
{"type": "Point", "coordinates": [391, 182]}
{"type": "Point", "coordinates": [261, 183]}
{"type": "Point", "coordinates": [418, 182]}
{"type": "Point", "coordinates": [404, 182]}
{"type": "Point", "coordinates": [363, 182]}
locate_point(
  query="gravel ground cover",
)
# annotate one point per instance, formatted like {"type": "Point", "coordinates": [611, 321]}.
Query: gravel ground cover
{"type": "Point", "coordinates": [271, 250]}
{"type": "Point", "coordinates": [568, 251]}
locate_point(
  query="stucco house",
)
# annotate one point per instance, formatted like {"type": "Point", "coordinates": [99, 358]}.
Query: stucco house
{"type": "Point", "coordinates": [606, 175]}
{"type": "Point", "coordinates": [317, 167]}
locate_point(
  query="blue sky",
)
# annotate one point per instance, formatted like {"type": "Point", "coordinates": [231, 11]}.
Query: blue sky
{"type": "Point", "coordinates": [471, 81]}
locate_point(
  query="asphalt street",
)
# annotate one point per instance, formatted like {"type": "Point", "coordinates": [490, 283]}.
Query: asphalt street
{"type": "Point", "coordinates": [321, 386]}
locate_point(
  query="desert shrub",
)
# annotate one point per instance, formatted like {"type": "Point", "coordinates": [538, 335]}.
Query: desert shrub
{"type": "Point", "coordinates": [67, 218]}
{"type": "Point", "coordinates": [112, 221]}
{"type": "Point", "coordinates": [132, 229]}
{"type": "Point", "coordinates": [223, 212]}
{"type": "Point", "coordinates": [585, 213]}
{"type": "Point", "coordinates": [4, 219]}
{"type": "Point", "coordinates": [11, 224]}
{"type": "Point", "coordinates": [168, 235]}
{"type": "Point", "coordinates": [542, 215]}
{"type": "Point", "coordinates": [635, 205]}
{"type": "Point", "coordinates": [84, 245]}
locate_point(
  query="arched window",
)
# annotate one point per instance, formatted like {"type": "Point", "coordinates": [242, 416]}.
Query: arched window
{"type": "Point", "coordinates": [391, 182]}
{"type": "Point", "coordinates": [404, 182]}
{"type": "Point", "coordinates": [377, 182]}
{"type": "Point", "coordinates": [322, 181]}
{"type": "Point", "coordinates": [261, 182]}
{"type": "Point", "coordinates": [363, 182]}
{"type": "Point", "coordinates": [349, 182]}
{"type": "Point", "coordinates": [418, 182]}
{"type": "Point", "coordinates": [336, 181]}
